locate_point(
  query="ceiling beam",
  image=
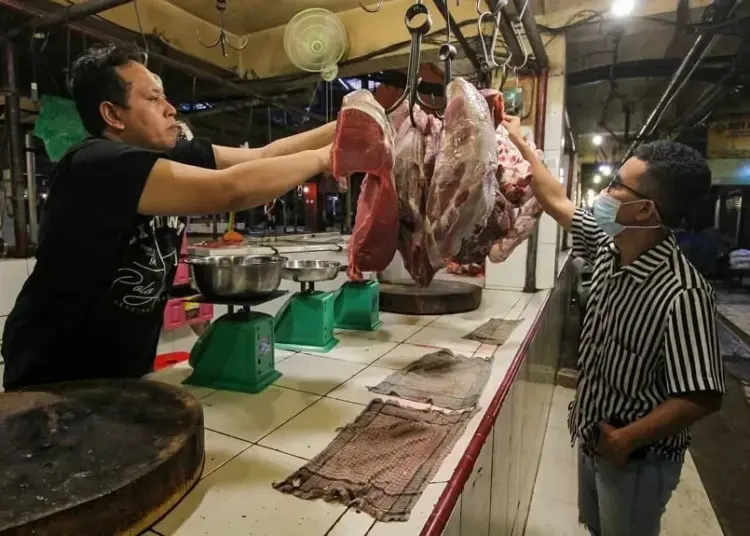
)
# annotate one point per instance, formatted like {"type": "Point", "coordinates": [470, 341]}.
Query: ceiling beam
{"type": "Point", "coordinates": [709, 70]}
{"type": "Point", "coordinates": [561, 15]}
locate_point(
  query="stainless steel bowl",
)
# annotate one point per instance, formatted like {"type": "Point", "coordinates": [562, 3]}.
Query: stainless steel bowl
{"type": "Point", "coordinates": [310, 271]}
{"type": "Point", "coordinates": [236, 277]}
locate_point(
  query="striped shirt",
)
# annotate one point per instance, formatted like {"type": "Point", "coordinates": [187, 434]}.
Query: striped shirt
{"type": "Point", "coordinates": [649, 333]}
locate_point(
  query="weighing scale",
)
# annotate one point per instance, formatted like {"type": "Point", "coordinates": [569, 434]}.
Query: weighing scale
{"type": "Point", "coordinates": [236, 353]}
{"type": "Point", "coordinates": [306, 321]}
{"type": "Point", "coordinates": [357, 306]}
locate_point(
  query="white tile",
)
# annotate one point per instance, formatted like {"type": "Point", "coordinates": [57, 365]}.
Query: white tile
{"type": "Point", "coordinates": [407, 320]}
{"type": "Point", "coordinates": [166, 343]}
{"type": "Point", "coordinates": [510, 274]}
{"type": "Point", "coordinates": [386, 332]}
{"type": "Point", "coordinates": [315, 374]}
{"type": "Point", "coordinates": [553, 518]}
{"type": "Point", "coordinates": [548, 230]}
{"type": "Point", "coordinates": [557, 478]}
{"type": "Point", "coordinates": [2, 327]}
{"type": "Point", "coordinates": [402, 356]}
{"type": "Point", "coordinates": [358, 349]}
{"type": "Point", "coordinates": [546, 266]}
{"type": "Point", "coordinates": [352, 523]}
{"type": "Point", "coordinates": [495, 304]}
{"type": "Point", "coordinates": [459, 449]}
{"type": "Point", "coordinates": [689, 511]}
{"type": "Point", "coordinates": [175, 375]}
{"type": "Point", "coordinates": [485, 350]}
{"type": "Point", "coordinates": [251, 417]}
{"type": "Point", "coordinates": [307, 434]}
{"type": "Point", "coordinates": [418, 518]}
{"type": "Point", "coordinates": [281, 355]}
{"type": "Point", "coordinates": [355, 390]}
{"type": "Point", "coordinates": [30, 263]}
{"type": "Point", "coordinates": [13, 274]}
{"type": "Point", "coordinates": [557, 446]}
{"type": "Point", "coordinates": [238, 499]}
{"type": "Point", "coordinates": [445, 337]}
{"type": "Point", "coordinates": [220, 449]}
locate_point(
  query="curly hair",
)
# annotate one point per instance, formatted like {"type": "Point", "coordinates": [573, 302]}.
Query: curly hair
{"type": "Point", "coordinates": [677, 177]}
{"type": "Point", "coordinates": [94, 79]}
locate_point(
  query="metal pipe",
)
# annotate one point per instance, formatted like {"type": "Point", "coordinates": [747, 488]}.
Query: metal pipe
{"type": "Point", "coordinates": [573, 148]}
{"type": "Point", "coordinates": [460, 37]}
{"type": "Point", "coordinates": [31, 189]}
{"type": "Point", "coordinates": [706, 103]}
{"type": "Point", "coordinates": [15, 138]}
{"type": "Point", "coordinates": [699, 50]}
{"type": "Point", "coordinates": [165, 59]}
{"type": "Point", "coordinates": [528, 21]}
{"type": "Point", "coordinates": [540, 124]}
{"type": "Point", "coordinates": [61, 16]}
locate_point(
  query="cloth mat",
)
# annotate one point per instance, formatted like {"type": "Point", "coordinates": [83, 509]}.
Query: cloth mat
{"type": "Point", "coordinates": [494, 331]}
{"type": "Point", "coordinates": [382, 462]}
{"type": "Point", "coordinates": [441, 378]}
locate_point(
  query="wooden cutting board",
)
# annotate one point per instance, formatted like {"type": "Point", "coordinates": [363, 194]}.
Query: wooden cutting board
{"type": "Point", "coordinates": [440, 298]}
{"type": "Point", "coordinates": [96, 458]}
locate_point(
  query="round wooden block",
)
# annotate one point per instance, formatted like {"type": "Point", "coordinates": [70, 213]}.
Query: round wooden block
{"type": "Point", "coordinates": [96, 457]}
{"type": "Point", "coordinates": [440, 298]}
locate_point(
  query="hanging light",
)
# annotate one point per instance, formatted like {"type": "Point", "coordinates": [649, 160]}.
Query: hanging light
{"type": "Point", "coordinates": [622, 8]}
{"type": "Point", "coordinates": [597, 179]}
{"type": "Point", "coordinates": [605, 169]}
{"type": "Point", "coordinates": [597, 140]}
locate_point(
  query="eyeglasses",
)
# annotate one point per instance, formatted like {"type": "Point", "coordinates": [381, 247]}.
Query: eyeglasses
{"type": "Point", "coordinates": [616, 182]}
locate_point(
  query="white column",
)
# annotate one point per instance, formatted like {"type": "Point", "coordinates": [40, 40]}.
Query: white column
{"type": "Point", "coordinates": [554, 134]}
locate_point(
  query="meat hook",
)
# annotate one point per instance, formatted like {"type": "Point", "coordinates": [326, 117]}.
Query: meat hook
{"type": "Point", "coordinates": [412, 73]}
{"type": "Point", "coordinates": [375, 9]}
{"type": "Point", "coordinates": [223, 40]}
{"type": "Point", "coordinates": [496, 15]}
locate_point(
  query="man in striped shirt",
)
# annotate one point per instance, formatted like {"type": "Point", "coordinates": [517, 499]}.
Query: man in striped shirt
{"type": "Point", "coordinates": [648, 362]}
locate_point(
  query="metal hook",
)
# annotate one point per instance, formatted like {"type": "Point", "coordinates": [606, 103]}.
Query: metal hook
{"type": "Point", "coordinates": [413, 80]}
{"type": "Point", "coordinates": [496, 14]}
{"type": "Point", "coordinates": [375, 9]}
{"type": "Point", "coordinates": [223, 40]}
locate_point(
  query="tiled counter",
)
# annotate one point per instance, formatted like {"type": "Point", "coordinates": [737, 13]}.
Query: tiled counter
{"type": "Point", "coordinates": [253, 441]}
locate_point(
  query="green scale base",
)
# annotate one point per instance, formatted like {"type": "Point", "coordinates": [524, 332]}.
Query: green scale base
{"type": "Point", "coordinates": [236, 353]}
{"type": "Point", "coordinates": [357, 306]}
{"type": "Point", "coordinates": [305, 322]}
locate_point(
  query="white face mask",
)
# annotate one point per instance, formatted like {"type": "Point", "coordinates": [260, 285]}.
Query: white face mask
{"type": "Point", "coordinates": [606, 208]}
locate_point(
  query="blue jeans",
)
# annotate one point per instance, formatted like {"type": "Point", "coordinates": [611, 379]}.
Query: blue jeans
{"type": "Point", "coordinates": [627, 501]}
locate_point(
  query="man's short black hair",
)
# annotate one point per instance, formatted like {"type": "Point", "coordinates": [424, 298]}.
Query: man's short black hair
{"type": "Point", "coordinates": [677, 177]}
{"type": "Point", "coordinates": [94, 79]}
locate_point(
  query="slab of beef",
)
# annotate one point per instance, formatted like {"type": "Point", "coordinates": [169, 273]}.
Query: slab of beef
{"type": "Point", "coordinates": [415, 153]}
{"type": "Point", "coordinates": [364, 143]}
{"type": "Point", "coordinates": [462, 190]}
{"type": "Point", "coordinates": [514, 173]}
{"type": "Point", "coordinates": [524, 225]}
{"type": "Point", "coordinates": [476, 249]}
{"type": "Point", "coordinates": [496, 104]}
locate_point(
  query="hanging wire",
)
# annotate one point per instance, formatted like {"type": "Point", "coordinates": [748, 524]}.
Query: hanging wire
{"type": "Point", "coordinates": [142, 32]}
{"type": "Point", "coordinates": [223, 40]}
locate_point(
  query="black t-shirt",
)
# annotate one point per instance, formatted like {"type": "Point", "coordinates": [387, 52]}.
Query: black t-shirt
{"type": "Point", "coordinates": [93, 305]}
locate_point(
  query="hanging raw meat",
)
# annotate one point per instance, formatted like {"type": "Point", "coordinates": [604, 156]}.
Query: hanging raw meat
{"type": "Point", "coordinates": [364, 143]}
{"type": "Point", "coordinates": [462, 189]}
{"type": "Point", "coordinates": [415, 153]}
{"type": "Point", "coordinates": [496, 104]}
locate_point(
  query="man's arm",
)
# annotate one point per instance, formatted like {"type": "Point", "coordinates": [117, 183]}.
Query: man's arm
{"type": "Point", "coordinates": [174, 189]}
{"type": "Point", "coordinates": [547, 190]}
{"type": "Point", "coordinates": [304, 141]}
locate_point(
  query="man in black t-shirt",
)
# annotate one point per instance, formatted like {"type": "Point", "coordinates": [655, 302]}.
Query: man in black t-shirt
{"type": "Point", "coordinates": [112, 226]}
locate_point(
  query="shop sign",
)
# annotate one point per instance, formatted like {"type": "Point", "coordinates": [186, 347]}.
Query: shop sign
{"type": "Point", "coordinates": [729, 138]}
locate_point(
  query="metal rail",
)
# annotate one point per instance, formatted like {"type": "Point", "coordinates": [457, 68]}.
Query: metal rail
{"type": "Point", "coordinates": [471, 55]}
{"type": "Point", "coordinates": [15, 138]}
{"type": "Point", "coordinates": [701, 47]}
{"type": "Point", "coordinates": [532, 31]}
{"type": "Point", "coordinates": [62, 16]}
{"type": "Point", "coordinates": [112, 33]}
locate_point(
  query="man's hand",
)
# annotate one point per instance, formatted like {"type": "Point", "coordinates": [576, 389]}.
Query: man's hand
{"type": "Point", "coordinates": [613, 445]}
{"type": "Point", "coordinates": [512, 124]}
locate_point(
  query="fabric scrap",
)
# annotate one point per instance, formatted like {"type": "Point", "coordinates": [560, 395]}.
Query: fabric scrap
{"type": "Point", "coordinates": [440, 378]}
{"type": "Point", "coordinates": [495, 331]}
{"type": "Point", "coordinates": [382, 462]}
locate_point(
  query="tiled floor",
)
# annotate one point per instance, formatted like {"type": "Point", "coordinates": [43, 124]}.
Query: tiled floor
{"type": "Point", "coordinates": [554, 511]}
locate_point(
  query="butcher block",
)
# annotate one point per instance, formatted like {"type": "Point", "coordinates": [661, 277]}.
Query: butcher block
{"type": "Point", "coordinates": [96, 457]}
